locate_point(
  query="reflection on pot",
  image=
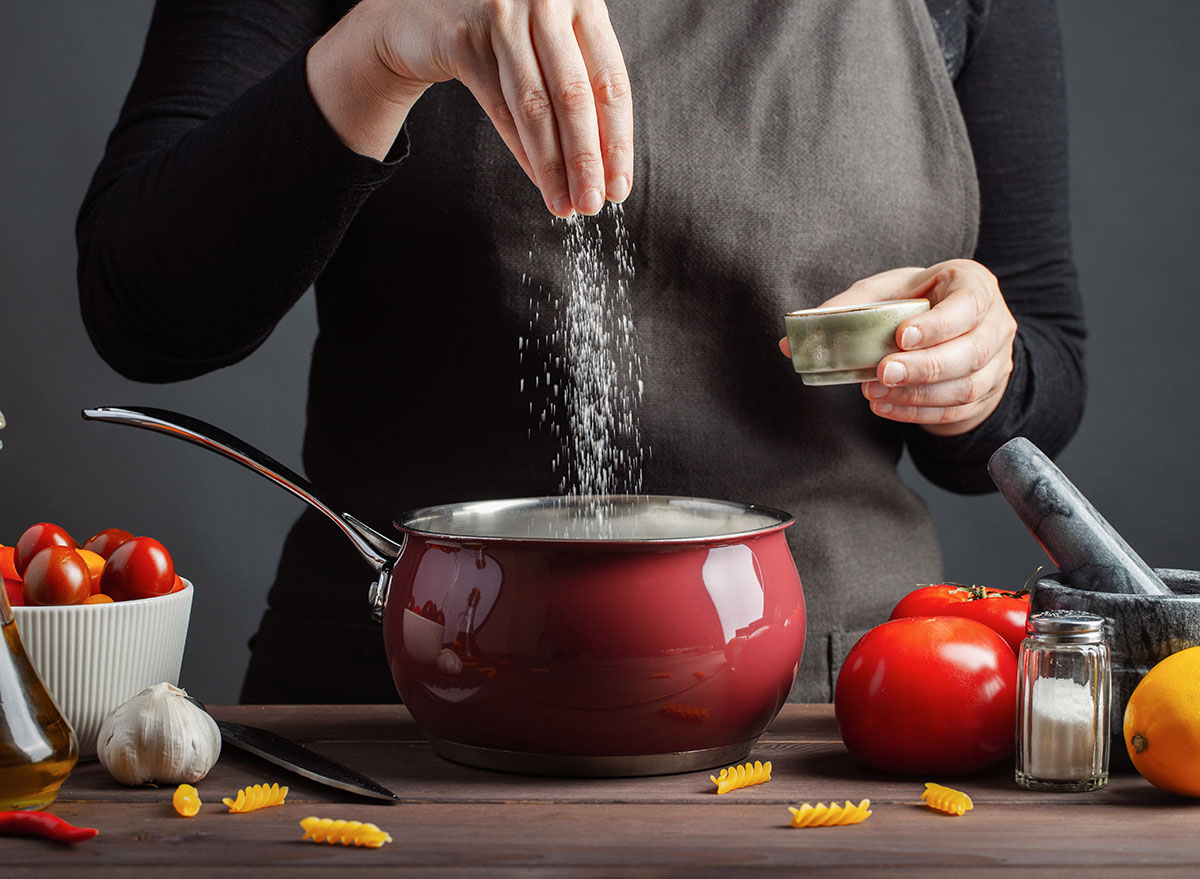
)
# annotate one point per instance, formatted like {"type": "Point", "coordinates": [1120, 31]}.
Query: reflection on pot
{"type": "Point", "coordinates": [422, 637]}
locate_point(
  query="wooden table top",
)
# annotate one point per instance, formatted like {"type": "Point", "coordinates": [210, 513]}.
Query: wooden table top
{"type": "Point", "coordinates": [455, 820]}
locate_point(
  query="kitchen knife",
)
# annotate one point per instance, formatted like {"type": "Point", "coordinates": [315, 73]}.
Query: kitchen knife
{"type": "Point", "coordinates": [295, 757]}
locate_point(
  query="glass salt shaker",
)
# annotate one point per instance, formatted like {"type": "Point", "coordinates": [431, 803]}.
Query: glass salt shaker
{"type": "Point", "coordinates": [1064, 679]}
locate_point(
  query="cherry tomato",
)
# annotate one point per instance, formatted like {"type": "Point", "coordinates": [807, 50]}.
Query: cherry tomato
{"type": "Point", "coordinates": [429, 610]}
{"type": "Point", "coordinates": [925, 695]}
{"type": "Point", "coordinates": [7, 568]}
{"type": "Point", "coordinates": [35, 539]}
{"type": "Point", "coordinates": [1005, 612]}
{"type": "Point", "coordinates": [138, 568]}
{"type": "Point", "coordinates": [14, 588]}
{"type": "Point", "coordinates": [57, 575]}
{"type": "Point", "coordinates": [179, 584]}
{"type": "Point", "coordinates": [104, 542]}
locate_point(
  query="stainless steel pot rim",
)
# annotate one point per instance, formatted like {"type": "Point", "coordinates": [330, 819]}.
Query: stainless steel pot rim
{"type": "Point", "coordinates": [636, 520]}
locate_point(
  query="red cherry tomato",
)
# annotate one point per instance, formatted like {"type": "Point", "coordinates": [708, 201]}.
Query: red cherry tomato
{"type": "Point", "coordinates": [7, 568]}
{"type": "Point", "coordinates": [57, 575]}
{"type": "Point", "coordinates": [1005, 612]}
{"type": "Point", "coordinates": [104, 542]}
{"type": "Point", "coordinates": [928, 695]}
{"type": "Point", "coordinates": [138, 568]}
{"type": "Point", "coordinates": [429, 610]}
{"type": "Point", "coordinates": [35, 539]}
{"type": "Point", "coordinates": [179, 584]}
{"type": "Point", "coordinates": [14, 588]}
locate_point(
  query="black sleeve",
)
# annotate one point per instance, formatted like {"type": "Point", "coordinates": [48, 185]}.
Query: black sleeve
{"type": "Point", "coordinates": [222, 192]}
{"type": "Point", "coordinates": [1012, 97]}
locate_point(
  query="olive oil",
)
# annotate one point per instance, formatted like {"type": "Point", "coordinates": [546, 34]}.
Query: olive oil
{"type": "Point", "coordinates": [37, 745]}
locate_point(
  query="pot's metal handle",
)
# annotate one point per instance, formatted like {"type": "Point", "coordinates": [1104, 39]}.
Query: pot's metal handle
{"type": "Point", "coordinates": [378, 550]}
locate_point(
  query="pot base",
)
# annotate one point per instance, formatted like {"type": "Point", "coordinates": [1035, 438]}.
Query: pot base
{"type": "Point", "coordinates": [609, 766]}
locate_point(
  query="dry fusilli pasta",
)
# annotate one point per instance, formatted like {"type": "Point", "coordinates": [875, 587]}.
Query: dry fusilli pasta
{"type": "Point", "coordinates": [946, 799]}
{"type": "Point", "coordinates": [186, 800]}
{"type": "Point", "coordinates": [832, 815]}
{"type": "Point", "coordinates": [334, 832]}
{"type": "Point", "coordinates": [257, 797]}
{"type": "Point", "coordinates": [742, 776]}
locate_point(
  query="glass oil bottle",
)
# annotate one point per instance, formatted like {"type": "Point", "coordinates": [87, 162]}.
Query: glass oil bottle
{"type": "Point", "coordinates": [37, 746]}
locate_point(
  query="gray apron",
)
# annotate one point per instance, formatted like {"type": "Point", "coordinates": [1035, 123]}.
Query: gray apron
{"type": "Point", "coordinates": [784, 150]}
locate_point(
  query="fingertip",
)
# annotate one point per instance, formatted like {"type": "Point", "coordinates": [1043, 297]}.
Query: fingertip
{"type": "Point", "coordinates": [561, 207]}
{"type": "Point", "coordinates": [618, 189]}
{"type": "Point", "coordinates": [591, 202]}
{"type": "Point", "coordinates": [893, 373]}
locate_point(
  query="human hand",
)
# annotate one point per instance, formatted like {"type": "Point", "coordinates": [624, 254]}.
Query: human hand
{"type": "Point", "coordinates": [550, 76]}
{"type": "Point", "coordinates": [954, 360]}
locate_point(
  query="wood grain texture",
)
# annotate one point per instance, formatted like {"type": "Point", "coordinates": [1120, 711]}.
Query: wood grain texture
{"type": "Point", "coordinates": [460, 821]}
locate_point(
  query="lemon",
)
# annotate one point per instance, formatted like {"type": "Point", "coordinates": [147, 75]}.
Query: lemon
{"type": "Point", "coordinates": [1162, 724]}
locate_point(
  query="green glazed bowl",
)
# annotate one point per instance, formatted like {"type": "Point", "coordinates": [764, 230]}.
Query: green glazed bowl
{"type": "Point", "coordinates": [838, 345]}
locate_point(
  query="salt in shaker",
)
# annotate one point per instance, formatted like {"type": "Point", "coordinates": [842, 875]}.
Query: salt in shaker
{"type": "Point", "coordinates": [1063, 685]}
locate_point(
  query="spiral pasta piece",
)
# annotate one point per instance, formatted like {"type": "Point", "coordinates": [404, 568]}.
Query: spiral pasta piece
{"type": "Point", "coordinates": [337, 832]}
{"type": "Point", "coordinates": [257, 797]}
{"type": "Point", "coordinates": [186, 800]}
{"type": "Point", "coordinates": [735, 777]}
{"type": "Point", "coordinates": [946, 799]}
{"type": "Point", "coordinates": [832, 815]}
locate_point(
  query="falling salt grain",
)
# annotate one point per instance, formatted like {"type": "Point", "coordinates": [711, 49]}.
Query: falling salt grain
{"type": "Point", "coordinates": [591, 345]}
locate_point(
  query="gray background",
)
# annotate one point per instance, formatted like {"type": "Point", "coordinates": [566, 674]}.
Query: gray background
{"type": "Point", "coordinates": [65, 65]}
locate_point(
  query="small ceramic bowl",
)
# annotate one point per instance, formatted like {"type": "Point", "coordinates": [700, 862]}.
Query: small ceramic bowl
{"type": "Point", "coordinates": [93, 657]}
{"type": "Point", "coordinates": [1141, 631]}
{"type": "Point", "coordinates": [837, 345]}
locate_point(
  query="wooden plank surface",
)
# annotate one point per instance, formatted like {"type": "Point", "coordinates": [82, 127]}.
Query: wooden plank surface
{"type": "Point", "coordinates": [456, 820]}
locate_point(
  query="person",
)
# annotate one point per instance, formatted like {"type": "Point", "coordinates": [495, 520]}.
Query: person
{"type": "Point", "coordinates": [781, 155]}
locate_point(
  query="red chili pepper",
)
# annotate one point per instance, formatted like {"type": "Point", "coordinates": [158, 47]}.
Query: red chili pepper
{"type": "Point", "coordinates": [43, 824]}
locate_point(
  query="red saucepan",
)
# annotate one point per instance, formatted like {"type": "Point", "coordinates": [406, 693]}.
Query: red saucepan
{"type": "Point", "coordinates": [623, 635]}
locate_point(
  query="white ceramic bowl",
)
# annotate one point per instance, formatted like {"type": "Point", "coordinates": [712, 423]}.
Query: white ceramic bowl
{"type": "Point", "coordinates": [93, 657]}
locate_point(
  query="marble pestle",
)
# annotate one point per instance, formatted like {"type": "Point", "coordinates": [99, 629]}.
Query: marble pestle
{"type": "Point", "coordinates": [1089, 553]}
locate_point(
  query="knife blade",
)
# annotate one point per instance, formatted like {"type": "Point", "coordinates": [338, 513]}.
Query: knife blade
{"type": "Point", "coordinates": [296, 758]}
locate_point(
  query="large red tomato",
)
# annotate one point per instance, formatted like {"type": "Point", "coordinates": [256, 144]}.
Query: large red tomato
{"type": "Point", "coordinates": [138, 568]}
{"type": "Point", "coordinates": [1006, 612]}
{"type": "Point", "coordinates": [928, 695]}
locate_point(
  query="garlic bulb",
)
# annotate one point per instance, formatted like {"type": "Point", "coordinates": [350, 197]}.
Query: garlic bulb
{"type": "Point", "coordinates": [158, 735]}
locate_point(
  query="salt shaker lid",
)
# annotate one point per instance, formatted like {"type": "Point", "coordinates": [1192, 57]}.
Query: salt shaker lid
{"type": "Point", "coordinates": [1064, 622]}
